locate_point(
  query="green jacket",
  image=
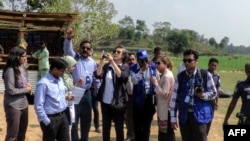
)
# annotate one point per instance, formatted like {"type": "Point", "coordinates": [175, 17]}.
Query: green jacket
{"type": "Point", "coordinates": [43, 58]}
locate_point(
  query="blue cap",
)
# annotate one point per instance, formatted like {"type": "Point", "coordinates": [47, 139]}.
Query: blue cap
{"type": "Point", "coordinates": [142, 54]}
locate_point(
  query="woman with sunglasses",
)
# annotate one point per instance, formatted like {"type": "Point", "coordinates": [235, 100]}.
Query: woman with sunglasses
{"type": "Point", "coordinates": [114, 75]}
{"type": "Point", "coordinates": [164, 88]}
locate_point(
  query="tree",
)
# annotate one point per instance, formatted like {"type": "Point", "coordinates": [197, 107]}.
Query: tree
{"type": "Point", "coordinates": [177, 41]}
{"type": "Point", "coordinates": [127, 28]}
{"type": "Point", "coordinates": [141, 30]}
{"type": "Point", "coordinates": [1, 4]}
{"type": "Point", "coordinates": [126, 22]}
{"type": "Point", "coordinates": [37, 5]}
{"type": "Point", "coordinates": [94, 22]}
{"type": "Point", "coordinates": [193, 36]}
{"type": "Point", "coordinates": [212, 42]}
{"type": "Point", "coordinates": [224, 42]}
{"type": "Point", "coordinates": [161, 31]}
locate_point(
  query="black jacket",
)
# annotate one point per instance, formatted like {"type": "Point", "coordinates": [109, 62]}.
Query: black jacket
{"type": "Point", "coordinates": [120, 92]}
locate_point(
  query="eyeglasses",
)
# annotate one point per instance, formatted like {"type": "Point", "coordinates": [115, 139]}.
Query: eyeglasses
{"type": "Point", "coordinates": [61, 70]}
{"type": "Point", "coordinates": [188, 60]}
{"type": "Point", "coordinates": [157, 63]}
{"type": "Point", "coordinates": [142, 61]}
{"type": "Point", "coordinates": [117, 51]}
{"type": "Point", "coordinates": [84, 47]}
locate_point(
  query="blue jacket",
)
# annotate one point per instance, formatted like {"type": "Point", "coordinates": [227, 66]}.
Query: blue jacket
{"type": "Point", "coordinates": [202, 110]}
{"type": "Point", "coordinates": [139, 91]}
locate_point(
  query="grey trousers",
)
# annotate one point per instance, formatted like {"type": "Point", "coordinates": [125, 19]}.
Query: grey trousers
{"type": "Point", "coordinates": [58, 129]}
{"type": "Point", "coordinates": [129, 119]}
{"type": "Point", "coordinates": [17, 123]}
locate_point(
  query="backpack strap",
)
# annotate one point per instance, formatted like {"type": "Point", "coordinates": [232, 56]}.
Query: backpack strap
{"type": "Point", "coordinates": [202, 74]}
{"type": "Point", "coordinates": [180, 78]}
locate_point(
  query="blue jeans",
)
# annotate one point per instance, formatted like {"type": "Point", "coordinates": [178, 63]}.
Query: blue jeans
{"type": "Point", "coordinates": [82, 113]}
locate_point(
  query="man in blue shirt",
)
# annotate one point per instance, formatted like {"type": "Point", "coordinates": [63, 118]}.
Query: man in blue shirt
{"type": "Point", "coordinates": [85, 68]}
{"type": "Point", "coordinates": [50, 103]}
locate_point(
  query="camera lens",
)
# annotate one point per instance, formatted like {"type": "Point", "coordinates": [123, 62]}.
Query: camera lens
{"type": "Point", "coordinates": [104, 56]}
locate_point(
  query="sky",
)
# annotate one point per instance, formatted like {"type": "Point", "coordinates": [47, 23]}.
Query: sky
{"type": "Point", "coordinates": [211, 18]}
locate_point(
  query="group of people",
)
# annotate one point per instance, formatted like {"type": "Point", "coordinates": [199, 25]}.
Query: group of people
{"type": "Point", "coordinates": [130, 87]}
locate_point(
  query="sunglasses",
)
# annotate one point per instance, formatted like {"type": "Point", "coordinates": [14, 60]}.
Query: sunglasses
{"type": "Point", "coordinates": [61, 70]}
{"type": "Point", "coordinates": [157, 63]}
{"type": "Point", "coordinates": [84, 47]}
{"type": "Point", "coordinates": [188, 60]}
{"type": "Point", "coordinates": [142, 61]}
{"type": "Point", "coordinates": [24, 56]}
{"type": "Point", "coordinates": [117, 51]}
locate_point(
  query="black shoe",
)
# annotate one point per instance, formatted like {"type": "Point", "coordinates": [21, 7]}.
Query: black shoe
{"type": "Point", "coordinates": [98, 130]}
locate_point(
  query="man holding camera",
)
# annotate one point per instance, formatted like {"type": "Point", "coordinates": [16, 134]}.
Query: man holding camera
{"type": "Point", "coordinates": [193, 91]}
{"type": "Point", "coordinates": [242, 89]}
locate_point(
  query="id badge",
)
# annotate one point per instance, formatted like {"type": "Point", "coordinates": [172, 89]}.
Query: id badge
{"type": "Point", "coordinates": [87, 79]}
{"type": "Point", "coordinates": [187, 99]}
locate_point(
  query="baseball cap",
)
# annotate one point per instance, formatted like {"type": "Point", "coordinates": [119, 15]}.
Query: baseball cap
{"type": "Point", "coordinates": [142, 54]}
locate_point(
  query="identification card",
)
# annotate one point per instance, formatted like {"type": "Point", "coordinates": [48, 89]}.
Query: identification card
{"type": "Point", "coordinates": [187, 99]}
{"type": "Point", "coordinates": [87, 80]}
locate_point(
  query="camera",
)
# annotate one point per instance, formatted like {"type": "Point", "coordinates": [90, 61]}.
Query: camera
{"type": "Point", "coordinates": [240, 115]}
{"type": "Point", "coordinates": [242, 118]}
{"type": "Point", "coordinates": [199, 88]}
{"type": "Point", "coordinates": [104, 55]}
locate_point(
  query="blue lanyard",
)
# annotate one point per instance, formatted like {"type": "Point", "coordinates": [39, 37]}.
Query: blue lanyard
{"type": "Point", "coordinates": [190, 85]}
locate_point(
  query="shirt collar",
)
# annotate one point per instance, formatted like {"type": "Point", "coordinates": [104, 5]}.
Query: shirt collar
{"type": "Point", "coordinates": [52, 78]}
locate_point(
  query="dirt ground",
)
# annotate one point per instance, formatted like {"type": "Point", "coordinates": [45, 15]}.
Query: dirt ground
{"type": "Point", "coordinates": [34, 132]}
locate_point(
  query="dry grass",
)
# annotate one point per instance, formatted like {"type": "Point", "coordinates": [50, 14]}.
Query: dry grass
{"type": "Point", "coordinates": [34, 132]}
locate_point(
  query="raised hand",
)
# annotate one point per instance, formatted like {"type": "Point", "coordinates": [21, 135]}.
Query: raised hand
{"type": "Point", "coordinates": [69, 33]}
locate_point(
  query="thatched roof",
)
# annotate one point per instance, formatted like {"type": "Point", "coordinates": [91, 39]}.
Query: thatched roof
{"type": "Point", "coordinates": [31, 21]}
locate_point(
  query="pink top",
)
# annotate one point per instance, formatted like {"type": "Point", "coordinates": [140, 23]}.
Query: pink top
{"type": "Point", "coordinates": [164, 93]}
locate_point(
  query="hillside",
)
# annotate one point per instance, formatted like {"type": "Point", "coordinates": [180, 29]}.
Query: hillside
{"type": "Point", "coordinates": [133, 46]}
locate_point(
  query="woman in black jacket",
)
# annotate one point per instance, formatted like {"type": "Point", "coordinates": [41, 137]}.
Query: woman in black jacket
{"type": "Point", "coordinates": [112, 93]}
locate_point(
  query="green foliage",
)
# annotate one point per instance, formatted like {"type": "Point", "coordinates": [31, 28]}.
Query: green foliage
{"type": "Point", "coordinates": [161, 31]}
{"type": "Point", "coordinates": [1, 4]}
{"type": "Point", "coordinates": [237, 50]}
{"type": "Point", "coordinates": [151, 44]}
{"type": "Point", "coordinates": [177, 41]}
{"type": "Point", "coordinates": [141, 30]}
{"type": "Point", "coordinates": [213, 42]}
{"type": "Point", "coordinates": [94, 22]}
{"type": "Point", "coordinates": [224, 42]}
